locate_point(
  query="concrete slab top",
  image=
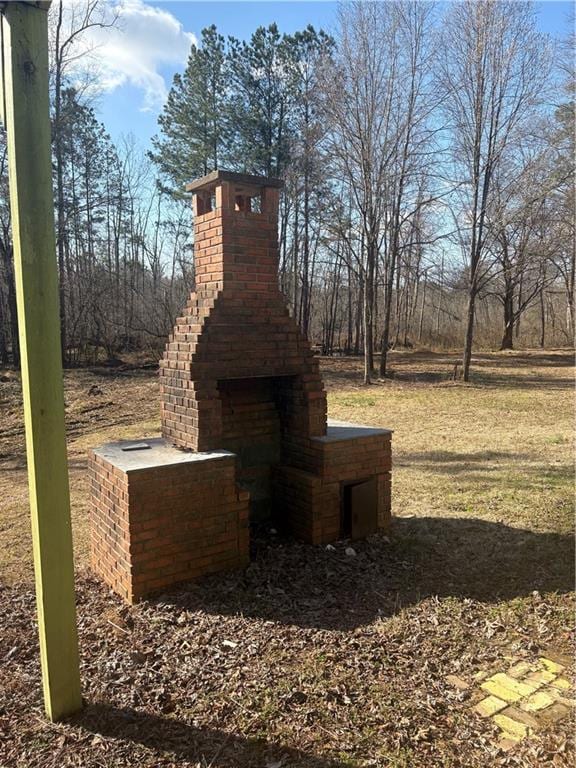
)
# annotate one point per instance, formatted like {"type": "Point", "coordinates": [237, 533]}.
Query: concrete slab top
{"type": "Point", "coordinates": [151, 452]}
{"type": "Point", "coordinates": [344, 430]}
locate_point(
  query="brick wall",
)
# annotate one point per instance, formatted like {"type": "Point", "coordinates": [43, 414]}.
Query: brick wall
{"type": "Point", "coordinates": [166, 523]}
{"type": "Point", "coordinates": [308, 491]}
{"type": "Point", "coordinates": [110, 524]}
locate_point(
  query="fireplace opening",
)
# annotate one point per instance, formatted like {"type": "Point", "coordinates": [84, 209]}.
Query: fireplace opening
{"type": "Point", "coordinates": [359, 509]}
{"type": "Point", "coordinates": [253, 419]}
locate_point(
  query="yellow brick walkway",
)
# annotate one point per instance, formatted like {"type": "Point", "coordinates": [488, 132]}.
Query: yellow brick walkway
{"type": "Point", "coordinates": [526, 698]}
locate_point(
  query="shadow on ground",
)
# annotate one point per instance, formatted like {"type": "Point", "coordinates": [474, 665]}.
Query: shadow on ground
{"type": "Point", "coordinates": [447, 460]}
{"type": "Point", "coordinates": [490, 370]}
{"type": "Point", "coordinates": [311, 586]}
{"type": "Point", "coordinates": [560, 359]}
{"type": "Point", "coordinates": [487, 468]}
{"type": "Point", "coordinates": [201, 746]}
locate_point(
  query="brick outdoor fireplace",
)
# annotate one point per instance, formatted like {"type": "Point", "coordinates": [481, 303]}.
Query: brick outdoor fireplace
{"type": "Point", "coordinates": [244, 427]}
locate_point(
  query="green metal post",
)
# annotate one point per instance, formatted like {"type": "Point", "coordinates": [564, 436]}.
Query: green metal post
{"type": "Point", "coordinates": [27, 120]}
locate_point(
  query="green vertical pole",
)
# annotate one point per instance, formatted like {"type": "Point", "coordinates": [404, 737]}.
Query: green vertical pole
{"type": "Point", "coordinates": [27, 120]}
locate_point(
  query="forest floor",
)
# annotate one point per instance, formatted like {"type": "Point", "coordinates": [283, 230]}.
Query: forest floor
{"type": "Point", "coordinates": [310, 657]}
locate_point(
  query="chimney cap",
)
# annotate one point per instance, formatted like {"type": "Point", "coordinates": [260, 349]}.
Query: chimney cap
{"type": "Point", "coordinates": [214, 178]}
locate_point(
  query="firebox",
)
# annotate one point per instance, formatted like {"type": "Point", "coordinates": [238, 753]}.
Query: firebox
{"type": "Point", "coordinates": [251, 429]}
{"type": "Point", "coordinates": [239, 387]}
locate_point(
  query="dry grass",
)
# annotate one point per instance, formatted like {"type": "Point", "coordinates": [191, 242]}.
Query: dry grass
{"type": "Point", "coordinates": [339, 662]}
{"type": "Point", "coordinates": [101, 404]}
{"type": "Point", "coordinates": [499, 449]}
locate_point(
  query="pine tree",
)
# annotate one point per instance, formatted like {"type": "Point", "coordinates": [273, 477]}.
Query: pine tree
{"type": "Point", "coordinates": [194, 121]}
{"type": "Point", "coordinates": [85, 147]}
{"type": "Point", "coordinates": [260, 76]}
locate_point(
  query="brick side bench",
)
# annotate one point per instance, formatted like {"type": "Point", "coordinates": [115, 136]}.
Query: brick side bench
{"type": "Point", "coordinates": [340, 487]}
{"type": "Point", "coordinates": [161, 515]}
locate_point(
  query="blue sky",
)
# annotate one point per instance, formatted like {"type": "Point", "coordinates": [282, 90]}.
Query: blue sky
{"type": "Point", "coordinates": [139, 61]}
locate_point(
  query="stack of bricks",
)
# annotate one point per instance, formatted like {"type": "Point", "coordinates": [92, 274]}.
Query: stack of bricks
{"type": "Point", "coordinates": [148, 528]}
{"type": "Point", "coordinates": [243, 404]}
{"type": "Point", "coordinates": [524, 699]}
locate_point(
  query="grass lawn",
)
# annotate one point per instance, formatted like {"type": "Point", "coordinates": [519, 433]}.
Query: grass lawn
{"type": "Point", "coordinates": [311, 657]}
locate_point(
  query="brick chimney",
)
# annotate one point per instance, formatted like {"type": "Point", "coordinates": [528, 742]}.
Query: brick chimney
{"type": "Point", "coordinates": [236, 368]}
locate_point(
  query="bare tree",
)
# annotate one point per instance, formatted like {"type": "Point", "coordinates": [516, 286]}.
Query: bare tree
{"type": "Point", "coordinates": [493, 69]}
{"type": "Point", "coordinates": [562, 203]}
{"type": "Point", "coordinates": [406, 182]}
{"type": "Point", "coordinates": [519, 246]}
{"type": "Point", "coordinates": [68, 24]}
{"type": "Point", "coordinates": [358, 104]}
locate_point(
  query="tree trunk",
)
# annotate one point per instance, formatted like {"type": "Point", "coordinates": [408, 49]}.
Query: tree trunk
{"type": "Point", "coordinates": [570, 298]}
{"type": "Point", "coordinates": [359, 315]}
{"type": "Point", "coordinates": [519, 305]}
{"type": "Point", "coordinates": [368, 325]}
{"type": "Point", "coordinates": [305, 296]}
{"type": "Point", "coordinates": [350, 323]}
{"type": "Point", "coordinates": [508, 336]}
{"type": "Point", "coordinates": [468, 339]}
{"type": "Point", "coordinates": [12, 307]}
{"type": "Point", "coordinates": [421, 323]}
{"type": "Point", "coordinates": [3, 339]}
{"type": "Point", "coordinates": [385, 338]}
{"type": "Point", "coordinates": [542, 319]}
{"type": "Point", "coordinates": [295, 261]}
{"type": "Point", "coordinates": [385, 341]}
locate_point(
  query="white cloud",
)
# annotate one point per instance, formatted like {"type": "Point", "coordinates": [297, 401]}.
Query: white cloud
{"type": "Point", "coordinates": [145, 39]}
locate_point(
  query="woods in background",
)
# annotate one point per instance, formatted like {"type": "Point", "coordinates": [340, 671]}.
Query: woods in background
{"type": "Point", "coordinates": [428, 168]}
